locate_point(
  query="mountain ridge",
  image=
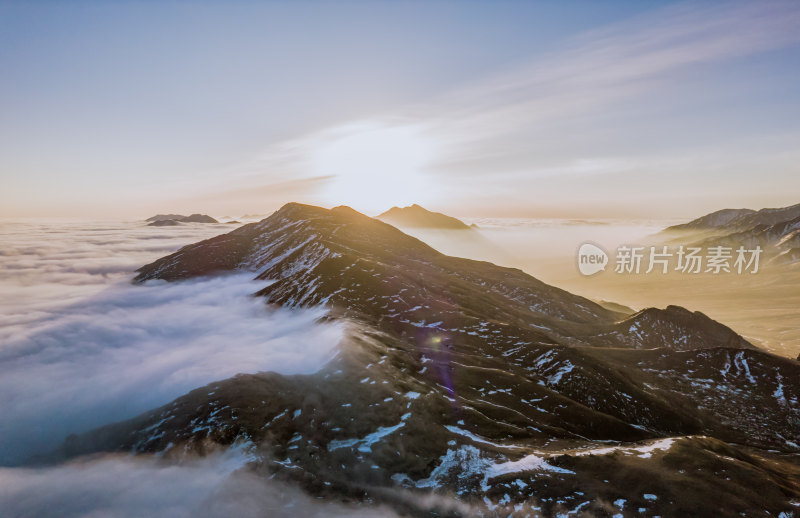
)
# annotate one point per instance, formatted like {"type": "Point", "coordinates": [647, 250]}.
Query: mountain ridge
{"type": "Point", "coordinates": [465, 376]}
{"type": "Point", "coordinates": [776, 231]}
{"type": "Point", "coordinates": [739, 219]}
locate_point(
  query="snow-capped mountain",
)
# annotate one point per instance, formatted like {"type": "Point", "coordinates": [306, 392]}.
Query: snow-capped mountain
{"type": "Point", "coordinates": [776, 231]}
{"type": "Point", "coordinates": [481, 383]}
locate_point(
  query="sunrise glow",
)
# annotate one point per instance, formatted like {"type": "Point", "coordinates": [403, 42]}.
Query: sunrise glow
{"type": "Point", "coordinates": [375, 166]}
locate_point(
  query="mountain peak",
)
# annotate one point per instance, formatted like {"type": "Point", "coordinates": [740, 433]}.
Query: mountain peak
{"type": "Point", "coordinates": [774, 230]}
{"type": "Point", "coordinates": [415, 216]}
{"type": "Point", "coordinates": [483, 375]}
{"type": "Point", "coordinates": [739, 219]}
{"type": "Point", "coordinates": [294, 230]}
{"type": "Point", "coordinates": [349, 261]}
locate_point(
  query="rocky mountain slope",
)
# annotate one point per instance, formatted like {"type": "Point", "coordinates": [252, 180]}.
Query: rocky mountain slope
{"type": "Point", "coordinates": [776, 231]}
{"type": "Point", "coordinates": [482, 384]}
{"type": "Point", "coordinates": [740, 219]}
{"type": "Point", "coordinates": [713, 220]}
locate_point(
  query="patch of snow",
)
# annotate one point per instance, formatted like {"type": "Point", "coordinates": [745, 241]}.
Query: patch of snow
{"type": "Point", "coordinates": [741, 364]}
{"type": "Point", "coordinates": [531, 462]}
{"type": "Point", "coordinates": [366, 443]}
{"type": "Point", "coordinates": [555, 378]}
{"type": "Point", "coordinates": [476, 438]}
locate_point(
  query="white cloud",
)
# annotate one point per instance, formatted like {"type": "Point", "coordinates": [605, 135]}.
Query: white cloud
{"type": "Point", "coordinates": [82, 347]}
{"type": "Point", "coordinates": [143, 486]}
{"type": "Point", "coordinates": [603, 66]}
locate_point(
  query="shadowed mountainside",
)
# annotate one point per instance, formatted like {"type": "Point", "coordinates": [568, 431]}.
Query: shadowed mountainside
{"type": "Point", "coordinates": [776, 231]}
{"type": "Point", "coordinates": [481, 382]}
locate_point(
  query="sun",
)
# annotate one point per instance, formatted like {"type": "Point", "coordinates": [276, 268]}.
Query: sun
{"type": "Point", "coordinates": [375, 166]}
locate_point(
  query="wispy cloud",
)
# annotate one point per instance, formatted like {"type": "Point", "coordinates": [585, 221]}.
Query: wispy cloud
{"type": "Point", "coordinates": [635, 98]}
{"type": "Point", "coordinates": [515, 120]}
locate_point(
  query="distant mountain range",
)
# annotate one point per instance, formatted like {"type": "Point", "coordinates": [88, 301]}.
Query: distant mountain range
{"type": "Point", "coordinates": [481, 382]}
{"type": "Point", "coordinates": [415, 216]}
{"type": "Point", "coordinates": [776, 231]}
{"type": "Point", "coordinates": [740, 219]}
{"type": "Point", "coordinates": [162, 220]}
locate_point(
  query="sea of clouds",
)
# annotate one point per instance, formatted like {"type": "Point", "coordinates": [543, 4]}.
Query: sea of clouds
{"type": "Point", "coordinates": [80, 346]}
{"type": "Point", "coordinates": [119, 486]}
{"type": "Point", "coordinates": [219, 485]}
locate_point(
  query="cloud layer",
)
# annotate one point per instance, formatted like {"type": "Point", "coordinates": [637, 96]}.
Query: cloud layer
{"type": "Point", "coordinates": [82, 347]}
{"type": "Point", "coordinates": [128, 487]}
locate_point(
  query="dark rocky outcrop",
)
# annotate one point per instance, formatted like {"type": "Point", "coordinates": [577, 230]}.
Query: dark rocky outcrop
{"type": "Point", "coordinates": [162, 220]}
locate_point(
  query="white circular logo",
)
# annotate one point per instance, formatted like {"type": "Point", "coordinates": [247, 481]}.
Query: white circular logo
{"type": "Point", "coordinates": [591, 259]}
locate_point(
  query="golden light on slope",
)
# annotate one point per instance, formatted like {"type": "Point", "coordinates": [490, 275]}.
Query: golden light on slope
{"type": "Point", "coordinates": [375, 166]}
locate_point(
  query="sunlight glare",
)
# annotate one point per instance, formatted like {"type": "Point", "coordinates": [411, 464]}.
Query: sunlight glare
{"type": "Point", "coordinates": [376, 166]}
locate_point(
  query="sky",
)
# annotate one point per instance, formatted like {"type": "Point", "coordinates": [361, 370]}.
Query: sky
{"type": "Point", "coordinates": [486, 109]}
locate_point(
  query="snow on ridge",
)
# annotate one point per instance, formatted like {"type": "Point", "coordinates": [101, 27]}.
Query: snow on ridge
{"type": "Point", "coordinates": [532, 462]}
{"type": "Point", "coordinates": [741, 365]}
{"type": "Point", "coordinates": [477, 438]}
{"type": "Point", "coordinates": [645, 452]}
{"type": "Point", "coordinates": [365, 444]}
{"type": "Point", "coordinates": [565, 368]}
{"type": "Point", "coordinates": [467, 461]}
